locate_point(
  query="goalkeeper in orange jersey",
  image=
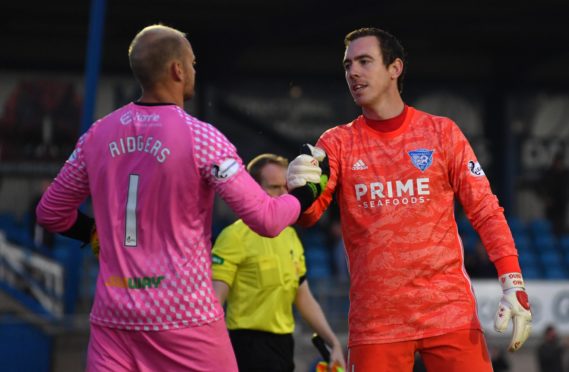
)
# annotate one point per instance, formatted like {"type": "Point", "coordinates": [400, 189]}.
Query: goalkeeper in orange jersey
{"type": "Point", "coordinates": [396, 171]}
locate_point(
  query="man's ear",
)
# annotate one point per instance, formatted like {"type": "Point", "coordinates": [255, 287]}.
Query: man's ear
{"type": "Point", "coordinates": [396, 68]}
{"type": "Point", "coordinates": [177, 70]}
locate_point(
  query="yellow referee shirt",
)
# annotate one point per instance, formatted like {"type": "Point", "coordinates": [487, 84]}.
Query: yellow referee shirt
{"type": "Point", "coordinates": [263, 275]}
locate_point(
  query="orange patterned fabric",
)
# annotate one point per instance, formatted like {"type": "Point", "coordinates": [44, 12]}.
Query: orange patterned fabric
{"type": "Point", "coordinates": [396, 193]}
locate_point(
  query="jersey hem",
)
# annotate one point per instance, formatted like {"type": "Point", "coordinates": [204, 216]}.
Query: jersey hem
{"type": "Point", "coordinates": [411, 338]}
{"type": "Point", "coordinates": [151, 327]}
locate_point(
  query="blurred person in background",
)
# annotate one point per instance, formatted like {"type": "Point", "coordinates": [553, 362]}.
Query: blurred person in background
{"type": "Point", "coordinates": [477, 263]}
{"type": "Point", "coordinates": [152, 171]}
{"type": "Point", "coordinates": [396, 172]}
{"type": "Point", "coordinates": [554, 189]}
{"type": "Point", "coordinates": [338, 251]}
{"type": "Point", "coordinates": [550, 352]}
{"type": "Point", "coordinates": [261, 278]}
{"type": "Point", "coordinates": [500, 361]}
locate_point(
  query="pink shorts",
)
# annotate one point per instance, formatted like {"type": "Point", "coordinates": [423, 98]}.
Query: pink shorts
{"type": "Point", "coordinates": [204, 348]}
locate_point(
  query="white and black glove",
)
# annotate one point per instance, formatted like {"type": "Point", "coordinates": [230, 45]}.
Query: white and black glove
{"type": "Point", "coordinates": [305, 176]}
{"type": "Point", "coordinates": [514, 305]}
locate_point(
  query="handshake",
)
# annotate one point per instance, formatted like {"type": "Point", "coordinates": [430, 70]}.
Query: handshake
{"type": "Point", "coordinates": [307, 175]}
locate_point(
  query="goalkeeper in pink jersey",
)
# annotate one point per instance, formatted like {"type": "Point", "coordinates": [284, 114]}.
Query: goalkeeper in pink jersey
{"type": "Point", "coordinates": [152, 171]}
{"type": "Point", "coordinates": [396, 172]}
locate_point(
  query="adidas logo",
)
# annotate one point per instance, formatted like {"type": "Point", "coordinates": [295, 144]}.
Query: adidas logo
{"type": "Point", "coordinates": [359, 165]}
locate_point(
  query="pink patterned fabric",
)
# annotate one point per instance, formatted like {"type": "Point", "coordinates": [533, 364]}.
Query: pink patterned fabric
{"type": "Point", "coordinates": [152, 171]}
{"type": "Point", "coordinates": [204, 349]}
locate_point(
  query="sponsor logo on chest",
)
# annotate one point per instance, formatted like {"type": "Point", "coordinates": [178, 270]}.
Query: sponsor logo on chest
{"type": "Point", "coordinates": [394, 192]}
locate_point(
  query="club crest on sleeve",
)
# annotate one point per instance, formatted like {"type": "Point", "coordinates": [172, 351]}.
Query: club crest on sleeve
{"type": "Point", "coordinates": [475, 168]}
{"type": "Point", "coordinates": [421, 158]}
{"type": "Point", "coordinates": [73, 155]}
{"type": "Point", "coordinates": [225, 169]}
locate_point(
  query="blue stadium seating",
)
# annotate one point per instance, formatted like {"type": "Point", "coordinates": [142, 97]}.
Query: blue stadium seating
{"type": "Point", "coordinates": [527, 258]}
{"type": "Point", "coordinates": [523, 244]}
{"type": "Point", "coordinates": [551, 258]}
{"type": "Point", "coordinates": [564, 244]}
{"type": "Point", "coordinates": [517, 226]}
{"type": "Point", "coordinates": [532, 272]}
{"type": "Point", "coordinates": [540, 226]}
{"type": "Point", "coordinates": [317, 262]}
{"type": "Point", "coordinates": [469, 242]}
{"type": "Point", "coordinates": [465, 228]}
{"type": "Point", "coordinates": [556, 272]}
{"type": "Point", "coordinates": [14, 231]}
{"type": "Point", "coordinates": [545, 243]}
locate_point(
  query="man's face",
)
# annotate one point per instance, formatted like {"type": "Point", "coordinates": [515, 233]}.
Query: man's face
{"type": "Point", "coordinates": [273, 179]}
{"type": "Point", "coordinates": [368, 78]}
{"type": "Point", "coordinates": [189, 71]}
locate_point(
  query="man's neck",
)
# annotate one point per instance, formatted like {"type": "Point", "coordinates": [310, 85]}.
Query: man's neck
{"type": "Point", "coordinates": [160, 95]}
{"type": "Point", "coordinates": [386, 109]}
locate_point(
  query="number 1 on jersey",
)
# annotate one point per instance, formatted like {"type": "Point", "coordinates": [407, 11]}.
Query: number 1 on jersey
{"type": "Point", "coordinates": [130, 220]}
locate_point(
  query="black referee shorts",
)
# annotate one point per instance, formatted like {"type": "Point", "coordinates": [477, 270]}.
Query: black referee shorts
{"type": "Point", "coordinates": [258, 351]}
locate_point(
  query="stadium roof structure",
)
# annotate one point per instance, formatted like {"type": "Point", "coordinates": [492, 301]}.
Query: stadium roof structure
{"type": "Point", "coordinates": [516, 42]}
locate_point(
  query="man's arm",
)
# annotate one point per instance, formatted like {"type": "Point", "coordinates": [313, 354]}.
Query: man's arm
{"type": "Point", "coordinates": [57, 210]}
{"type": "Point", "coordinates": [482, 209]}
{"type": "Point", "coordinates": [221, 167]}
{"type": "Point", "coordinates": [312, 313]}
{"type": "Point", "coordinates": [221, 290]}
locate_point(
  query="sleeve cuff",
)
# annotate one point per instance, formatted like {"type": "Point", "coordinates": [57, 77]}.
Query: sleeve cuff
{"type": "Point", "coordinates": [507, 264]}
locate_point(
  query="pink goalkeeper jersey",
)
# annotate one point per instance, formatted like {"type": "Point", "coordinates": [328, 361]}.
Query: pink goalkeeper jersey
{"type": "Point", "coordinates": [152, 171]}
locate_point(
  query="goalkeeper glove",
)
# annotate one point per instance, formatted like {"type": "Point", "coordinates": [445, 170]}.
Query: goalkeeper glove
{"type": "Point", "coordinates": [305, 179]}
{"type": "Point", "coordinates": [514, 305]}
{"type": "Point", "coordinates": [95, 242]}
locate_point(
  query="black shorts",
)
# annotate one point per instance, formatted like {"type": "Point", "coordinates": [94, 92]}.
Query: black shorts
{"type": "Point", "coordinates": [258, 351]}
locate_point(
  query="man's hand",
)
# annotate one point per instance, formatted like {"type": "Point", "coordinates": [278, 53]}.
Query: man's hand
{"type": "Point", "coordinates": [95, 242]}
{"type": "Point", "coordinates": [337, 362]}
{"type": "Point", "coordinates": [333, 358]}
{"type": "Point", "coordinates": [514, 305]}
{"type": "Point", "coordinates": [303, 169]}
{"type": "Point", "coordinates": [305, 179]}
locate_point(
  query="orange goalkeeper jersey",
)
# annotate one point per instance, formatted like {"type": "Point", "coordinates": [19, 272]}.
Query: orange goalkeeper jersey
{"type": "Point", "coordinates": [396, 195]}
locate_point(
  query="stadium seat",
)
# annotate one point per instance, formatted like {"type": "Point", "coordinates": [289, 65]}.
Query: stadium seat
{"type": "Point", "coordinates": [556, 272]}
{"type": "Point", "coordinates": [550, 259]}
{"type": "Point", "coordinates": [317, 272]}
{"type": "Point", "coordinates": [316, 255]}
{"type": "Point", "coordinates": [564, 244]}
{"type": "Point", "coordinates": [531, 272]}
{"type": "Point", "coordinates": [527, 258]}
{"type": "Point", "coordinates": [317, 262]}
{"type": "Point", "coordinates": [523, 243]}
{"type": "Point", "coordinates": [65, 242]}
{"type": "Point", "coordinates": [540, 226]}
{"type": "Point", "coordinates": [469, 242]}
{"type": "Point", "coordinates": [545, 243]}
{"type": "Point", "coordinates": [465, 227]}
{"type": "Point", "coordinates": [14, 231]}
{"type": "Point", "coordinates": [312, 238]}
{"type": "Point", "coordinates": [517, 226]}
